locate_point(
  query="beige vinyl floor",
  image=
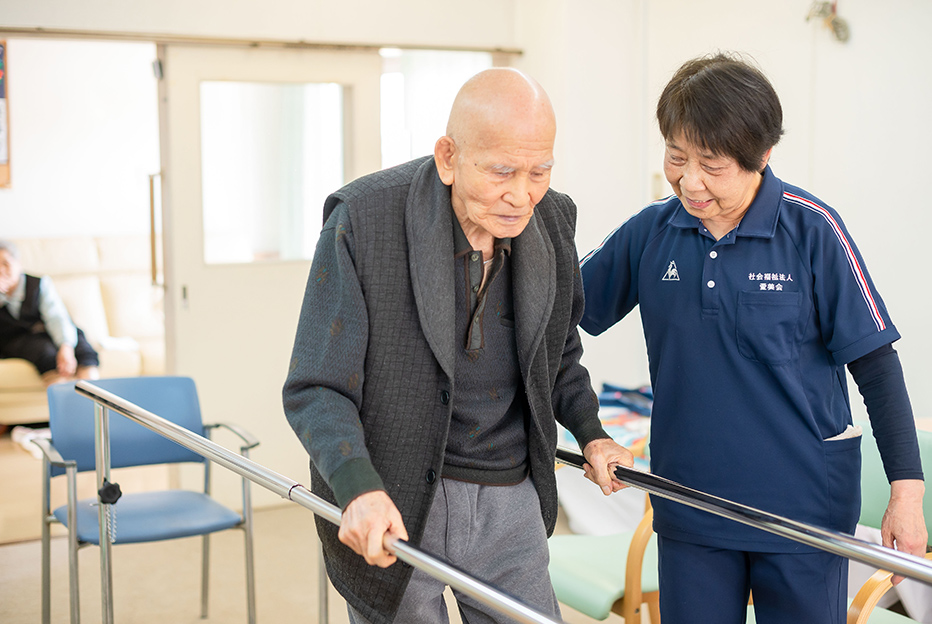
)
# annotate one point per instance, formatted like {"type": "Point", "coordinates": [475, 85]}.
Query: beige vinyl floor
{"type": "Point", "coordinates": [160, 583]}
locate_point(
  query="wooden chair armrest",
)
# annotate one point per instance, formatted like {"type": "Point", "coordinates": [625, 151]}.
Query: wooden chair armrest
{"type": "Point", "coordinates": [870, 593]}
{"type": "Point", "coordinates": [634, 565]}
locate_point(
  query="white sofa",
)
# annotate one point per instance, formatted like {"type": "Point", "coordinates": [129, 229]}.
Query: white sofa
{"type": "Point", "coordinates": [107, 286]}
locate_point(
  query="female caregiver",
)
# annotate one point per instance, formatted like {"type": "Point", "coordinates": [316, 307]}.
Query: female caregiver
{"type": "Point", "coordinates": [753, 298]}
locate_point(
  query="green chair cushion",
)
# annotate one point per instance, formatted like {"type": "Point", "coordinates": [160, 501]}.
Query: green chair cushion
{"type": "Point", "coordinates": [587, 580]}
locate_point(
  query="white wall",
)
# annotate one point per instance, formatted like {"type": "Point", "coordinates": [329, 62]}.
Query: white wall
{"type": "Point", "coordinates": [83, 138]}
{"type": "Point", "coordinates": [590, 58]}
{"type": "Point", "coordinates": [854, 113]}
{"type": "Point", "coordinates": [477, 23]}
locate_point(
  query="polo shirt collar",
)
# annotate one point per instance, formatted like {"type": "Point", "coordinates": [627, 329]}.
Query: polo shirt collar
{"type": "Point", "coordinates": [759, 221]}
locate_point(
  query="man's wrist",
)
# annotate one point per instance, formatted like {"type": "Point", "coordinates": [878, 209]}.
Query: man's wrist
{"type": "Point", "coordinates": [356, 476]}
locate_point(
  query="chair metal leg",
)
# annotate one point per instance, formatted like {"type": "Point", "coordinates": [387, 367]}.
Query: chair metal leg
{"type": "Point", "coordinates": [205, 574]}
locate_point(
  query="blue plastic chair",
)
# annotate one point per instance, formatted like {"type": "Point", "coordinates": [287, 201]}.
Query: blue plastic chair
{"type": "Point", "coordinates": [139, 517]}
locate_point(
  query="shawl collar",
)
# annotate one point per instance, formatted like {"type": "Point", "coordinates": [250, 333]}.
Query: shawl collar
{"type": "Point", "coordinates": [429, 230]}
{"type": "Point", "coordinates": [534, 281]}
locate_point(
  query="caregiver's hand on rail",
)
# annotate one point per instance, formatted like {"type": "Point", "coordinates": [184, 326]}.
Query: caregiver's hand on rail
{"type": "Point", "coordinates": [366, 521]}
{"type": "Point", "coordinates": [903, 526]}
{"type": "Point", "coordinates": [602, 456]}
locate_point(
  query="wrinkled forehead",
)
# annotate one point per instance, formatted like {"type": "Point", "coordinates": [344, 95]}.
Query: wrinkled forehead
{"type": "Point", "coordinates": [510, 149]}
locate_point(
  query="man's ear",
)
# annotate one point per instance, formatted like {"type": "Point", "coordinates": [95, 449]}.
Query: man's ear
{"type": "Point", "coordinates": [444, 150]}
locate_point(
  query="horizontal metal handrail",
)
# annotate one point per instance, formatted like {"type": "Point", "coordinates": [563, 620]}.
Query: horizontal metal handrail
{"type": "Point", "coordinates": [824, 539]}
{"type": "Point", "coordinates": [297, 493]}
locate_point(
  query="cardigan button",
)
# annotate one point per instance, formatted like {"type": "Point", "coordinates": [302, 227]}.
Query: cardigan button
{"type": "Point", "coordinates": [431, 476]}
{"type": "Point", "coordinates": [444, 397]}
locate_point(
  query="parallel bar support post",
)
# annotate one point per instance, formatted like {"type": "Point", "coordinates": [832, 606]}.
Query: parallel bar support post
{"type": "Point", "coordinates": [247, 530]}
{"type": "Point", "coordinates": [102, 454]}
{"type": "Point", "coordinates": [323, 608]}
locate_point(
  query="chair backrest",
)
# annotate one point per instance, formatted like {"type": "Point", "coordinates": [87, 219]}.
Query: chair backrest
{"type": "Point", "coordinates": [875, 489]}
{"type": "Point", "coordinates": [71, 420]}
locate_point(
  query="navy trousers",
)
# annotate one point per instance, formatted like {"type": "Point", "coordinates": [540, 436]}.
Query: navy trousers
{"type": "Point", "coordinates": [704, 584]}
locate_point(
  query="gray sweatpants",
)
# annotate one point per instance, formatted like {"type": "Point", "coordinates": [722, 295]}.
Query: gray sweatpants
{"type": "Point", "coordinates": [494, 533]}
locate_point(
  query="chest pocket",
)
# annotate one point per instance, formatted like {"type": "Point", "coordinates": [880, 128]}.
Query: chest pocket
{"type": "Point", "coordinates": [766, 326]}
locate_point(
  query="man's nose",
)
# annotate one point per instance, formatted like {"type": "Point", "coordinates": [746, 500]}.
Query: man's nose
{"type": "Point", "coordinates": [519, 192]}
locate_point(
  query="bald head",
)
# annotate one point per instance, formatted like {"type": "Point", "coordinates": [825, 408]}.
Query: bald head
{"type": "Point", "coordinates": [497, 100]}
{"type": "Point", "coordinates": [497, 154]}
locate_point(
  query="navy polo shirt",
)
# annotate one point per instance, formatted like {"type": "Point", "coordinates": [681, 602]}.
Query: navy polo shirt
{"type": "Point", "coordinates": [747, 338]}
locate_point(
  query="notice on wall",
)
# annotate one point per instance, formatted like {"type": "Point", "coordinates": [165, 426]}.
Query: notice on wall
{"type": "Point", "coordinates": [4, 150]}
{"type": "Point", "coordinates": [4, 119]}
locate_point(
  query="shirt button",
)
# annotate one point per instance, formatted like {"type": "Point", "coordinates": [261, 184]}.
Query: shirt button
{"type": "Point", "coordinates": [711, 283]}
{"type": "Point", "coordinates": [431, 476]}
{"type": "Point", "coordinates": [474, 257]}
{"type": "Point", "coordinates": [444, 397]}
{"type": "Point", "coordinates": [475, 289]}
{"type": "Point", "coordinates": [713, 254]}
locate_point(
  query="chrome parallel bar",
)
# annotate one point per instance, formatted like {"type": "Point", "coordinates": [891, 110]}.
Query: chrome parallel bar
{"type": "Point", "coordinates": [297, 493]}
{"type": "Point", "coordinates": [823, 539]}
{"type": "Point", "coordinates": [102, 450]}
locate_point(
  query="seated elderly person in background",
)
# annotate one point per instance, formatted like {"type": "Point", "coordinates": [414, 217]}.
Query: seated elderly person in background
{"type": "Point", "coordinates": [36, 326]}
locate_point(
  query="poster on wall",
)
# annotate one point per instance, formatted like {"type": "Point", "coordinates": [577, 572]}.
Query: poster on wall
{"type": "Point", "coordinates": [4, 120]}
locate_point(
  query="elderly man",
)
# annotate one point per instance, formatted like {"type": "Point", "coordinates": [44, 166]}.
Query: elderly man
{"type": "Point", "coordinates": [36, 326]}
{"type": "Point", "coordinates": [436, 349]}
